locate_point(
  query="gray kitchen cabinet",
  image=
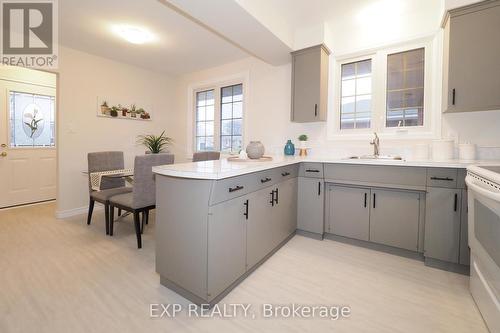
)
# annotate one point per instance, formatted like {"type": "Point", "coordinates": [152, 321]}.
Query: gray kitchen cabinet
{"type": "Point", "coordinates": [310, 84]}
{"type": "Point", "coordinates": [227, 237]}
{"type": "Point", "coordinates": [284, 212]}
{"type": "Point", "coordinates": [442, 224]}
{"type": "Point", "coordinates": [349, 211]}
{"type": "Point", "coordinates": [471, 70]}
{"type": "Point", "coordinates": [310, 205]}
{"type": "Point", "coordinates": [464, 254]}
{"type": "Point", "coordinates": [394, 218]}
{"type": "Point", "coordinates": [259, 225]}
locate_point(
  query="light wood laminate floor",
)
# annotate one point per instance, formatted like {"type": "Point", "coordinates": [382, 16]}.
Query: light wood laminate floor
{"type": "Point", "coordinates": [65, 276]}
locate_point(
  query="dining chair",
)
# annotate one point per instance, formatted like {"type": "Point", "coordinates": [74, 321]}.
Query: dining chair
{"type": "Point", "coordinates": [143, 196]}
{"type": "Point", "coordinates": [105, 161]}
{"type": "Point", "coordinates": [206, 156]}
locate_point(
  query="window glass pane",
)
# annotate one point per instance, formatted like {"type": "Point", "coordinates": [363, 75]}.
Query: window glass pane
{"type": "Point", "coordinates": [225, 128]}
{"type": "Point", "coordinates": [210, 97]}
{"type": "Point", "coordinates": [209, 143]}
{"type": "Point", "coordinates": [238, 110]}
{"type": "Point", "coordinates": [356, 85]}
{"type": "Point", "coordinates": [237, 127]}
{"type": "Point", "coordinates": [200, 113]}
{"type": "Point", "coordinates": [204, 111]}
{"type": "Point", "coordinates": [225, 143]}
{"type": "Point", "coordinates": [200, 129]}
{"type": "Point", "coordinates": [236, 143]}
{"type": "Point", "coordinates": [405, 88]}
{"type": "Point", "coordinates": [31, 120]}
{"type": "Point", "coordinates": [209, 112]}
{"type": "Point", "coordinates": [237, 93]}
{"type": "Point", "coordinates": [200, 143]}
{"type": "Point", "coordinates": [227, 94]}
{"type": "Point", "coordinates": [200, 98]}
{"type": "Point", "coordinates": [209, 128]}
{"type": "Point", "coordinates": [226, 111]}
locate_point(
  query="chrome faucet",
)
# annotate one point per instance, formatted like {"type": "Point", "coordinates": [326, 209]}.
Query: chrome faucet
{"type": "Point", "coordinates": [376, 145]}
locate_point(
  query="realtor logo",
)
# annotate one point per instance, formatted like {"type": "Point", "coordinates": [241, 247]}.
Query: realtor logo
{"type": "Point", "coordinates": [29, 33]}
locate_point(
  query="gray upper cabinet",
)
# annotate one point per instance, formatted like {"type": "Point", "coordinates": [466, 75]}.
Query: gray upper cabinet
{"type": "Point", "coordinates": [394, 218]}
{"type": "Point", "coordinates": [442, 224]}
{"type": "Point", "coordinates": [310, 84]}
{"type": "Point", "coordinates": [349, 212]}
{"type": "Point", "coordinates": [310, 205]}
{"type": "Point", "coordinates": [471, 52]}
{"type": "Point", "coordinates": [226, 244]}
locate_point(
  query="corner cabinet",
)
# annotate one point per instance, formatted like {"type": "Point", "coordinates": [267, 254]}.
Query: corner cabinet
{"type": "Point", "coordinates": [471, 66]}
{"type": "Point", "coordinates": [310, 84]}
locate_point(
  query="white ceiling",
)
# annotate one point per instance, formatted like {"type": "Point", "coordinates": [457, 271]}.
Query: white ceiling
{"type": "Point", "coordinates": [182, 46]}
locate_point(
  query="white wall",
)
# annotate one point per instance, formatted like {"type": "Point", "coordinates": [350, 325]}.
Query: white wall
{"type": "Point", "coordinates": [82, 78]}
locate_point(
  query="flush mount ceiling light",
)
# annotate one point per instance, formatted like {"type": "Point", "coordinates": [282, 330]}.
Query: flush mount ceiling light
{"type": "Point", "coordinates": [133, 34]}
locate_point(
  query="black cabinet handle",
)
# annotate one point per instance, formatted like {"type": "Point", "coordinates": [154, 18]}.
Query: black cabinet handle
{"type": "Point", "coordinates": [234, 189]}
{"type": "Point", "coordinates": [455, 205]}
{"type": "Point", "coordinates": [374, 199]}
{"type": "Point", "coordinates": [453, 97]}
{"type": "Point", "coordinates": [246, 210]}
{"type": "Point", "coordinates": [284, 174]}
{"type": "Point", "coordinates": [448, 179]}
{"type": "Point", "coordinates": [276, 198]}
{"type": "Point", "coordinates": [312, 170]}
{"type": "Point", "coordinates": [272, 198]}
{"type": "Point", "coordinates": [265, 180]}
{"type": "Point", "coordinates": [319, 188]}
{"type": "Point", "coordinates": [366, 195]}
{"type": "Point", "coordinates": [315, 110]}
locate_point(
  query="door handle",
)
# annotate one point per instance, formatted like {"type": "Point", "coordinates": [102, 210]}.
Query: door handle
{"type": "Point", "coordinates": [319, 188]}
{"type": "Point", "coordinates": [374, 199]}
{"type": "Point", "coordinates": [3, 145]}
{"type": "Point", "coordinates": [448, 179]}
{"type": "Point", "coordinates": [265, 180]}
{"type": "Point", "coordinates": [284, 174]}
{"type": "Point", "coordinates": [315, 110]}
{"type": "Point", "coordinates": [234, 189]}
{"type": "Point", "coordinates": [455, 205]}
{"type": "Point", "coordinates": [3, 154]}
{"type": "Point", "coordinates": [312, 170]}
{"type": "Point", "coordinates": [453, 97]}
{"type": "Point", "coordinates": [246, 210]}
{"type": "Point", "coordinates": [272, 198]}
{"type": "Point", "coordinates": [366, 195]}
{"type": "Point", "coordinates": [276, 198]}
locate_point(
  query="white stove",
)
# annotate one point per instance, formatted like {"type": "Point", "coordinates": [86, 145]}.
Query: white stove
{"type": "Point", "coordinates": [483, 184]}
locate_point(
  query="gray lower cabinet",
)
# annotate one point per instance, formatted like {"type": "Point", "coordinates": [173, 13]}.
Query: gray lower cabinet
{"type": "Point", "coordinates": [349, 211]}
{"type": "Point", "coordinates": [310, 205]}
{"type": "Point", "coordinates": [394, 218]}
{"type": "Point", "coordinates": [284, 212]}
{"type": "Point", "coordinates": [442, 224]}
{"type": "Point", "coordinates": [464, 254]}
{"type": "Point", "coordinates": [259, 225]}
{"type": "Point", "coordinates": [227, 237]}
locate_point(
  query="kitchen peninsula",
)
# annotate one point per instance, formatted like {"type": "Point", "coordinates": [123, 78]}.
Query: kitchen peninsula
{"type": "Point", "coordinates": [217, 221]}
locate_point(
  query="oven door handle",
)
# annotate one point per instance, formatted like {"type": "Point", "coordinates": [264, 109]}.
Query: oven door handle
{"type": "Point", "coordinates": [480, 190]}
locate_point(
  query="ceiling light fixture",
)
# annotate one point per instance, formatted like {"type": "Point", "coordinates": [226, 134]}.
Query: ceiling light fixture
{"type": "Point", "coordinates": [132, 34]}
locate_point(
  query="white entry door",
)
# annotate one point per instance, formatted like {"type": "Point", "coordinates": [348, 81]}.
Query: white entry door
{"type": "Point", "coordinates": [27, 137]}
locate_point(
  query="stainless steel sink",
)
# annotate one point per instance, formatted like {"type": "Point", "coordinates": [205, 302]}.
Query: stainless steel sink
{"type": "Point", "coordinates": [373, 157]}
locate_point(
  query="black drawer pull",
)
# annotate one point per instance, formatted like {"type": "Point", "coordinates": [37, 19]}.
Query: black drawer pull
{"type": "Point", "coordinates": [272, 198]}
{"type": "Point", "coordinates": [265, 180]}
{"type": "Point", "coordinates": [366, 194]}
{"type": "Point", "coordinates": [312, 170]}
{"type": "Point", "coordinates": [246, 210]}
{"type": "Point", "coordinates": [455, 205]}
{"type": "Point", "coordinates": [448, 179]}
{"type": "Point", "coordinates": [284, 174]}
{"type": "Point", "coordinates": [453, 97]}
{"type": "Point", "coordinates": [319, 188]}
{"type": "Point", "coordinates": [374, 200]}
{"type": "Point", "coordinates": [315, 110]}
{"type": "Point", "coordinates": [276, 198]}
{"type": "Point", "coordinates": [234, 189]}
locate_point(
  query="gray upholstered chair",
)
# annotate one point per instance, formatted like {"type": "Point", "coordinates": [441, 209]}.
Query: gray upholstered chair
{"type": "Point", "coordinates": [143, 197]}
{"type": "Point", "coordinates": [105, 161]}
{"type": "Point", "coordinates": [206, 156]}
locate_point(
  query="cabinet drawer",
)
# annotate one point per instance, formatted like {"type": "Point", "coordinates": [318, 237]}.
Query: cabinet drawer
{"type": "Point", "coordinates": [230, 188]}
{"type": "Point", "coordinates": [288, 172]}
{"type": "Point", "coordinates": [312, 170]}
{"type": "Point", "coordinates": [442, 177]}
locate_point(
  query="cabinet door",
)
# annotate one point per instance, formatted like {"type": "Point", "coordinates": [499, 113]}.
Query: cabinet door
{"type": "Point", "coordinates": [284, 216]}
{"type": "Point", "coordinates": [442, 224]}
{"type": "Point", "coordinates": [474, 70]}
{"type": "Point", "coordinates": [259, 225]}
{"type": "Point", "coordinates": [226, 244]}
{"type": "Point", "coordinates": [310, 205]}
{"type": "Point", "coordinates": [394, 217]}
{"type": "Point", "coordinates": [306, 85]}
{"type": "Point", "coordinates": [464, 255]}
{"type": "Point", "coordinates": [349, 214]}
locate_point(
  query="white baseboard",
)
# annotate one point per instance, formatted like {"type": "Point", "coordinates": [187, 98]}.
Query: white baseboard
{"type": "Point", "coordinates": [62, 214]}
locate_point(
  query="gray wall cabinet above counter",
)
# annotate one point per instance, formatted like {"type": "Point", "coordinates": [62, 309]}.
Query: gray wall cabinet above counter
{"type": "Point", "coordinates": [471, 66]}
{"type": "Point", "coordinates": [310, 84]}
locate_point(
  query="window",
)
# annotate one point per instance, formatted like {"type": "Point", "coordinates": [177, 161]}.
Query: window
{"type": "Point", "coordinates": [219, 118]}
{"type": "Point", "coordinates": [231, 118]}
{"type": "Point", "coordinates": [31, 120]}
{"type": "Point", "coordinates": [356, 95]}
{"type": "Point", "coordinates": [205, 119]}
{"type": "Point", "coordinates": [405, 88]}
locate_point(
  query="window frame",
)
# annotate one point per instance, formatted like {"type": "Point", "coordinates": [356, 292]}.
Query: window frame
{"type": "Point", "coordinates": [216, 85]}
{"type": "Point", "coordinates": [432, 111]}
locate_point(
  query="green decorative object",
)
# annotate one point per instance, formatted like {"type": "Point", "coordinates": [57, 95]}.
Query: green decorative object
{"type": "Point", "coordinates": [155, 143]}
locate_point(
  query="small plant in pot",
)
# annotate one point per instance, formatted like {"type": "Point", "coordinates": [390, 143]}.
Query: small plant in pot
{"type": "Point", "coordinates": [155, 143]}
{"type": "Point", "coordinates": [124, 111]}
{"type": "Point", "coordinates": [113, 111]}
{"type": "Point", "coordinates": [303, 144]}
{"type": "Point", "coordinates": [104, 108]}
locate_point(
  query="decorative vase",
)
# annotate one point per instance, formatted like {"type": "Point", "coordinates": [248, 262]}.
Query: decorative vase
{"type": "Point", "coordinates": [255, 150]}
{"type": "Point", "coordinates": [289, 148]}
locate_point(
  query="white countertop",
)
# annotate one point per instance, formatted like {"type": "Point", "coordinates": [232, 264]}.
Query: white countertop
{"type": "Point", "coordinates": [221, 169]}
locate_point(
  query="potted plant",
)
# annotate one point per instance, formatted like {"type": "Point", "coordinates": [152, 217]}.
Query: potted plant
{"type": "Point", "coordinates": [124, 111]}
{"type": "Point", "coordinates": [303, 144]}
{"type": "Point", "coordinates": [114, 111]}
{"type": "Point", "coordinates": [104, 108]}
{"type": "Point", "coordinates": [155, 143]}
